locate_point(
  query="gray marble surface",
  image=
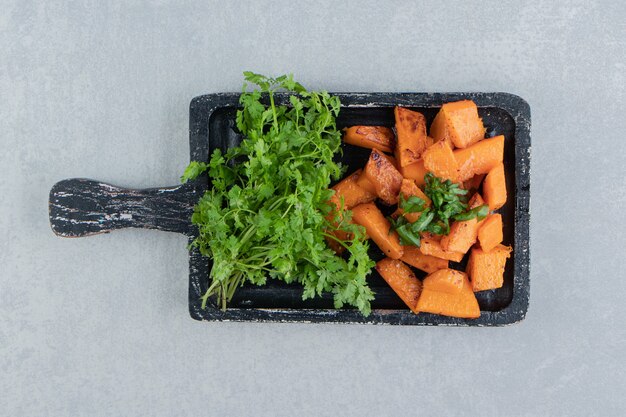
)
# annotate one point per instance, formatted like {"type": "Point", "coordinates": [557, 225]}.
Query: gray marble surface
{"type": "Point", "coordinates": [99, 326]}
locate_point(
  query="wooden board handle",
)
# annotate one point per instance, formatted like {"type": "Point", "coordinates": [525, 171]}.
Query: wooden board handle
{"type": "Point", "coordinates": [81, 207]}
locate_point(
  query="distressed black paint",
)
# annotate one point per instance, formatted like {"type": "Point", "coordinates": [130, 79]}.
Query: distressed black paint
{"type": "Point", "coordinates": [83, 207]}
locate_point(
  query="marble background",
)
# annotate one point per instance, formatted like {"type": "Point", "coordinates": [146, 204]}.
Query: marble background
{"type": "Point", "coordinates": [100, 326]}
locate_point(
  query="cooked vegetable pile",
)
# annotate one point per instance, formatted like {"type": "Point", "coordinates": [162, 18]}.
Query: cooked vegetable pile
{"type": "Point", "coordinates": [440, 222]}
{"type": "Point", "coordinates": [270, 211]}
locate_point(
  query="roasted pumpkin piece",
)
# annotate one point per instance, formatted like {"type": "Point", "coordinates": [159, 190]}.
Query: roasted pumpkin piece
{"type": "Point", "coordinates": [408, 189]}
{"type": "Point", "coordinates": [458, 123]}
{"type": "Point", "coordinates": [412, 139]}
{"type": "Point", "coordinates": [349, 190]}
{"type": "Point", "coordinates": [473, 184]}
{"type": "Point", "coordinates": [381, 172]}
{"type": "Point", "coordinates": [366, 184]}
{"type": "Point", "coordinates": [372, 137]}
{"type": "Point", "coordinates": [431, 245]}
{"type": "Point", "coordinates": [416, 171]}
{"type": "Point", "coordinates": [449, 293]}
{"type": "Point", "coordinates": [486, 269]}
{"type": "Point", "coordinates": [447, 280]}
{"type": "Point", "coordinates": [414, 257]}
{"type": "Point", "coordinates": [490, 232]}
{"type": "Point", "coordinates": [463, 234]}
{"type": "Point", "coordinates": [439, 159]}
{"type": "Point", "coordinates": [378, 229]}
{"type": "Point", "coordinates": [439, 130]}
{"type": "Point", "coordinates": [494, 187]}
{"type": "Point", "coordinates": [352, 194]}
{"type": "Point", "coordinates": [402, 280]}
{"type": "Point", "coordinates": [479, 158]}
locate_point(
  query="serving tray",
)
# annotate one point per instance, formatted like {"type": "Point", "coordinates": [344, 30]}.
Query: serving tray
{"type": "Point", "coordinates": [82, 207]}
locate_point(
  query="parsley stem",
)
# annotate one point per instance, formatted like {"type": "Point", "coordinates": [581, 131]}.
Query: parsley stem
{"type": "Point", "coordinates": [245, 265]}
{"type": "Point", "coordinates": [271, 93]}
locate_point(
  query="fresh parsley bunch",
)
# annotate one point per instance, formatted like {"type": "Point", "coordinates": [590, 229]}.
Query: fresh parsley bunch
{"type": "Point", "coordinates": [267, 213]}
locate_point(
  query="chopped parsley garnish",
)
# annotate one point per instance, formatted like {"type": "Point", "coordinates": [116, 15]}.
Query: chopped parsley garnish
{"type": "Point", "coordinates": [449, 202]}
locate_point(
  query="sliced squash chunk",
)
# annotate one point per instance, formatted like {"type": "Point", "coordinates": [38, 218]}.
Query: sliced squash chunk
{"type": "Point", "coordinates": [350, 192]}
{"type": "Point", "coordinates": [416, 171]}
{"type": "Point", "coordinates": [378, 229]}
{"type": "Point", "coordinates": [449, 293]}
{"type": "Point", "coordinates": [479, 158]}
{"type": "Point", "coordinates": [494, 187]}
{"type": "Point", "coordinates": [490, 232]}
{"type": "Point", "coordinates": [381, 171]}
{"type": "Point", "coordinates": [463, 234]}
{"type": "Point", "coordinates": [414, 257]}
{"type": "Point", "coordinates": [486, 269]}
{"type": "Point", "coordinates": [372, 137]}
{"type": "Point", "coordinates": [412, 139]}
{"type": "Point", "coordinates": [439, 159]}
{"type": "Point", "coordinates": [458, 123]}
{"type": "Point", "coordinates": [402, 280]}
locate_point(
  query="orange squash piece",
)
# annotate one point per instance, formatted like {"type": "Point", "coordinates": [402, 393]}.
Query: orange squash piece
{"type": "Point", "coordinates": [378, 229]}
{"type": "Point", "coordinates": [351, 192]}
{"type": "Point", "coordinates": [381, 172]}
{"type": "Point", "coordinates": [449, 293]}
{"type": "Point", "coordinates": [486, 269]}
{"type": "Point", "coordinates": [372, 137]}
{"type": "Point", "coordinates": [439, 159]}
{"type": "Point", "coordinates": [366, 184]}
{"type": "Point", "coordinates": [479, 158]}
{"type": "Point", "coordinates": [414, 257]}
{"type": "Point", "coordinates": [473, 184]}
{"type": "Point", "coordinates": [463, 234]}
{"type": "Point", "coordinates": [352, 195]}
{"type": "Point", "coordinates": [490, 232]}
{"type": "Point", "coordinates": [494, 188]}
{"type": "Point", "coordinates": [412, 139]}
{"type": "Point", "coordinates": [402, 280]}
{"type": "Point", "coordinates": [416, 171]}
{"type": "Point", "coordinates": [431, 245]}
{"type": "Point", "coordinates": [458, 123]}
{"type": "Point", "coordinates": [408, 189]}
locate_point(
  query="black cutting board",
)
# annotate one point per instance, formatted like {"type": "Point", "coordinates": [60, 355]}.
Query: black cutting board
{"type": "Point", "coordinates": [81, 207]}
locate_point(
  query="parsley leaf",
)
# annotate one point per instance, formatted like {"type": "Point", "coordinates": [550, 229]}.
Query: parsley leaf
{"type": "Point", "coordinates": [193, 170]}
{"type": "Point", "coordinates": [479, 212]}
